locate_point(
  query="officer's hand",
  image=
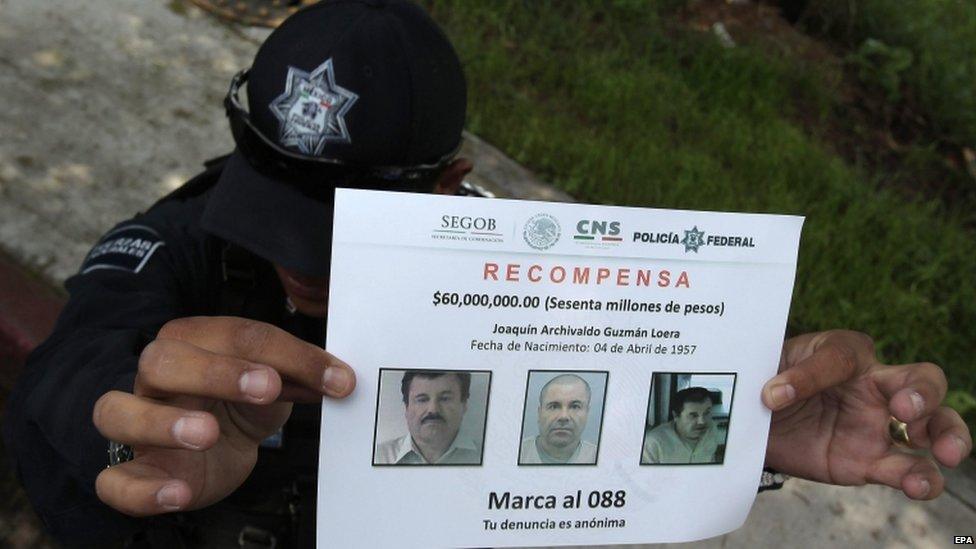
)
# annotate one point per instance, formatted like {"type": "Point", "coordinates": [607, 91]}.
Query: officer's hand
{"type": "Point", "coordinates": [832, 401]}
{"type": "Point", "coordinates": [208, 391]}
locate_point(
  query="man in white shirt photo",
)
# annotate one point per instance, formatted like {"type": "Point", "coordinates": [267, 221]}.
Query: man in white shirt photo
{"type": "Point", "coordinates": [564, 407]}
{"type": "Point", "coordinates": [434, 406]}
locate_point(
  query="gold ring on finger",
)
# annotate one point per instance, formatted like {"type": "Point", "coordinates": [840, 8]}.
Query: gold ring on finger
{"type": "Point", "coordinates": [898, 431]}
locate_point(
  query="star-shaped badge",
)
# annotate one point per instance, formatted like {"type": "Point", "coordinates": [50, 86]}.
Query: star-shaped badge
{"type": "Point", "coordinates": [311, 111]}
{"type": "Point", "coordinates": [693, 240]}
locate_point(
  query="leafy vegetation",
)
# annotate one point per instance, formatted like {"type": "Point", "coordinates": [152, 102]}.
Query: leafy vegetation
{"type": "Point", "coordinates": [940, 35]}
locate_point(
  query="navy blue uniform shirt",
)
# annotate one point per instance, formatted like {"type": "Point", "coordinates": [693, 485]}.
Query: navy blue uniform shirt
{"type": "Point", "coordinates": [146, 271]}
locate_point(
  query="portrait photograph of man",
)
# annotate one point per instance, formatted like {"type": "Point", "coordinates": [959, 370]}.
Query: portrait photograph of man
{"type": "Point", "coordinates": [430, 417]}
{"type": "Point", "coordinates": [563, 417]}
{"type": "Point", "coordinates": [687, 419]}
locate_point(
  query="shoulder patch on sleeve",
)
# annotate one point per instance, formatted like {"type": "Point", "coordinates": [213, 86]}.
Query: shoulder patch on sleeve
{"type": "Point", "coordinates": [126, 248]}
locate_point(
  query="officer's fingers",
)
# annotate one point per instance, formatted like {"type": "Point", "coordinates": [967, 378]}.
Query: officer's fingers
{"type": "Point", "coordinates": [173, 367]}
{"type": "Point", "coordinates": [945, 433]}
{"type": "Point", "coordinates": [913, 390]}
{"type": "Point", "coordinates": [138, 421]}
{"type": "Point", "coordinates": [951, 439]}
{"type": "Point", "coordinates": [140, 490]}
{"type": "Point", "coordinates": [918, 477]}
{"type": "Point", "coordinates": [831, 364]}
{"type": "Point", "coordinates": [263, 343]}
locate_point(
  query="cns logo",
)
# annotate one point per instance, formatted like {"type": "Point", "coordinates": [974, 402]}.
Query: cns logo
{"type": "Point", "coordinates": [597, 233]}
{"type": "Point", "coordinates": [541, 231]}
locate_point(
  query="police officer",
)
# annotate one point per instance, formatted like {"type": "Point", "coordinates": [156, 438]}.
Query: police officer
{"type": "Point", "coordinates": [192, 337]}
{"type": "Point", "coordinates": [190, 345]}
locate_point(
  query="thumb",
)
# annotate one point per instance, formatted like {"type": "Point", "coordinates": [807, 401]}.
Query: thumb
{"type": "Point", "coordinates": [831, 364]}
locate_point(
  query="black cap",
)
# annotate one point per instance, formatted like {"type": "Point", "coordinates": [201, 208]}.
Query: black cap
{"type": "Point", "coordinates": [347, 84]}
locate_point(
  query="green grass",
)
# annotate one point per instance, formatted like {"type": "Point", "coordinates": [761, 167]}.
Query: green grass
{"type": "Point", "coordinates": [616, 106]}
{"type": "Point", "coordinates": [940, 35]}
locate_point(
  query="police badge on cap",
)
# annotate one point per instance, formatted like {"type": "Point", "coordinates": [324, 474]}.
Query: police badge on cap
{"type": "Point", "coordinates": [312, 110]}
{"type": "Point", "coordinates": [346, 93]}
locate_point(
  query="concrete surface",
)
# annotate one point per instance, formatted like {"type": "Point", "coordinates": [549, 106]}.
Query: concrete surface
{"type": "Point", "coordinates": [108, 104]}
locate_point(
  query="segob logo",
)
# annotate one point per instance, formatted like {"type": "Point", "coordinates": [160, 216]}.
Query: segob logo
{"type": "Point", "coordinates": [468, 228]}
{"type": "Point", "coordinates": [541, 231]}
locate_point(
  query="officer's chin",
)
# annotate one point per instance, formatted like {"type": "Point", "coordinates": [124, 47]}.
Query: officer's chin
{"type": "Point", "coordinates": [309, 294]}
{"type": "Point", "coordinates": [309, 307]}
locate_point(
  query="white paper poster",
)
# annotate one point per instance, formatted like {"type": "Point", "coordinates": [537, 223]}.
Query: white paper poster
{"type": "Point", "coordinates": [533, 373]}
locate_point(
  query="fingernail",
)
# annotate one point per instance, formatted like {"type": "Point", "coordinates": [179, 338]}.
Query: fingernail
{"type": "Point", "coordinates": [191, 431]}
{"type": "Point", "coordinates": [168, 497]}
{"type": "Point", "coordinates": [781, 395]}
{"type": "Point", "coordinates": [963, 450]}
{"type": "Point", "coordinates": [336, 379]}
{"type": "Point", "coordinates": [255, 383]}
{"type": "Point", "coordinates": [925, 487]}
{"type": "Point", "coordinates": [918, 403]}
